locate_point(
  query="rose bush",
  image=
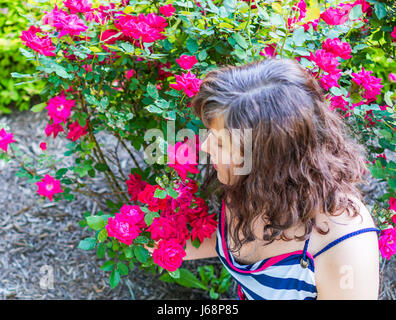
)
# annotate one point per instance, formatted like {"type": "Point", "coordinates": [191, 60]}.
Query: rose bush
{"type": "Point", "coordinates": [127, 67]}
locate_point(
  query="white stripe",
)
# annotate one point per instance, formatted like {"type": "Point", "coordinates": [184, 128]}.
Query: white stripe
{"type": "Point", "coordinates": [270, 293]}
{"type": "Point", "coordinates": [294, 271]}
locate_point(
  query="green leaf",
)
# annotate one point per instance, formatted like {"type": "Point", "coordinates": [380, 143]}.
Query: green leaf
{"type": "Point", "coordinates": [128, 252]}
{"type": "Point", "coordinates": [104, 102]}
{"type": "Point", "coordinates": [175, 274]}
{"type": "Point", "coordinates": [95, 222]}
{"type": "Point", "coordinates": [160, 194]}
{"type": "Point", "coordinates": [87, 244]}
{"type": "Point", "coordinates": [172, 192]}
{"type": "Point", "coordinates": [387, 98]}
{"type": "Point", "coordinates": [102, 167]}
{"type": "Point", "coordinates": [153, 109]}
{"type": "Point", "coordinates": [60, 173]}
{"type": "Point", "coordinates": [114, 278]}
{"type": "Point", "coordinates": [127, 47]}
{"type": "Point", "coordinates": [152, 91]}
{"type": "Point", "coordinates": [189, 280]}
{"type": "Point", "coordinates": [336, 91]}
{"type": "Point", "coordinates": [196, 243]}
{"type": "Point", "coordinates": [299, 36]}
{"type": "Point", "coordinates": [240, 40]}
{"type": "Point", "coordinates": [38, 107]}
{"type": "Point", "coordinates": [149, 217]}
{"type": "Point", "coordinates": [213, 294]}
{"type": "Point", "coordinates": [379, 9]}
{"type": "Point", "coordinates": [356, 12]}
{"type": "Point", "coordinates": [141, 240]}
{"type": "Point", "coordinates": [101, 251]}
{"type": "Point", "coordinates": [192, 45]}
{"type": "Point", "coordinates": [141, 254]}
{"type": "Point", "coordinates": [102, 235]}
{"type": "Point", "coordinates": [392, 183]}
{"type": "Point", "coordinates": [122, 268]}
{"type": "Point", "coordinates": [108, 265]}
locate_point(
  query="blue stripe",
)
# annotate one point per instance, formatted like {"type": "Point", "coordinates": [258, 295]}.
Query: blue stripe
{"type": "Point", "coordinates": [250, 293]}
{"type": "Point", "coordinates": [284, 283]}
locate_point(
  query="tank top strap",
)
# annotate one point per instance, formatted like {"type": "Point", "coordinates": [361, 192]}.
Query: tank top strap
{"type": "Point", "coordinates": [304, 261]}
{"type": "Point", "coordinates": [335, 242]}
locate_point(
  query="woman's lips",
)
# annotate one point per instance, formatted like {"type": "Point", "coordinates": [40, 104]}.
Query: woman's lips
{"type": "Point", "coordinates": [215, 166]}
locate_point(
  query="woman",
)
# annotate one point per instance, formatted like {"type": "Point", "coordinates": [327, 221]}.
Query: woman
{"type": "Point", "coordinates": [292, 225]}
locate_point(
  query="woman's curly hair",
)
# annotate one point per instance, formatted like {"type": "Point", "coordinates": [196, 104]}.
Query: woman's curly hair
{"type": "Point", "coordinates": [304, 160]}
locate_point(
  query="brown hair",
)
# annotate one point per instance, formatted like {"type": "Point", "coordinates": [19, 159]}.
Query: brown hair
{"type": "Point", "coordinates": [303, 158]}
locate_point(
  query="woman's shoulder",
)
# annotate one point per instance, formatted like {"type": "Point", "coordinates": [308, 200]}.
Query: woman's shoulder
{"type": "Point", "coordinates": [349, 268]}
{"type": "Point", "coordinates": [340, 225]}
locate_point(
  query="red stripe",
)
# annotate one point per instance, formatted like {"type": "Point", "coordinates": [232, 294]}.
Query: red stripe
{"type": "Point", "coordinates": [271, 261]}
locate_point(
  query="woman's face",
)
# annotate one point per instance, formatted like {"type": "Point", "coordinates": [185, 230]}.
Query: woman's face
{"type": "Point", "coordinates": [218, 145]}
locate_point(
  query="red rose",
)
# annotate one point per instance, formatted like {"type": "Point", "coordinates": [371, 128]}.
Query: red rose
{"type": "Point", "coordinates": [169, 254]}
{"type": "Point", "coordinates": [135, 186]}
{"type": "Point", "coordinates": [147, 196]}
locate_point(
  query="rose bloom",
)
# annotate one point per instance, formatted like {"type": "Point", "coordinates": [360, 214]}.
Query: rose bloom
{"type": "Point", "coordinates": [387, 243]}
{"type": "Point", "coordinates": [186, 62]}
{"type": "Point", "coordinates": [121, 228]}
{"type": "Point", "coordinates": [169, 254]}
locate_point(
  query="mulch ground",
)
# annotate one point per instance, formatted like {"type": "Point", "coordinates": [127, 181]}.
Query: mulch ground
{"type": "Point", "coordinates": [38, 237]}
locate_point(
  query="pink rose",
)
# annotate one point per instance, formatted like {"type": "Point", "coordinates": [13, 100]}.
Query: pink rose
{"type": "Point", "coordinates": [330, 80]}
{"type": "Point", "coordinates": [169, 255]}
{"type": "Point", "coordinates": [269, 50]}
{"type": "Point", "coordinates": [42, 45]}
{"type": "Point", "coordinates": [48, 186]}
{"type": "Point", "coordinates": [325, 60]}
{"type": "Point", "coordinates": [393, 34]}
{"type": "Point", "coordinates": [5, 139]}
{"type": "Point", "coordinates": [392, 77]}
{"type": "Point", "coordinates": [121, 228]}
{"type": "Point", "coordinates": [59, 108]}
{"type": "Point", "coordinates": [53, 128]}
{"type": "Point", "coordinates": [338, 48]}
{"type": "Point", "coordinates": [336, 16]}
{"type": "Point", "coordinates": [135, 214]}
{"type": "Point", "coordinates": [76, 6]}
{"type": "Point", "coordinates": [371, 84]}
{"type": "Point", "coordinates": [186, 62]}
{"type": "Point", "coordinates": [76, 131]}
{"type": "Point", "coordinates": [167, 10]}
{"type": "Point", "coordinates": [387, 243]}
{"type": "Point", "coordinates": [43, 146]}
{"type": "Point", "coordinates": [187, 82]}
{"type": "Point", "coordinates": [392, 203]}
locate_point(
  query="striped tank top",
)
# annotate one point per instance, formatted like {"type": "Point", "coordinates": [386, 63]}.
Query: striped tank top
{"type": "Point", "coordinates": [288, 276]}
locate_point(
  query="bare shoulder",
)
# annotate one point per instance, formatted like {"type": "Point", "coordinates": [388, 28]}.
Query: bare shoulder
{"type": "Point", "coordinates": [349, 269]}
{"type": "Point", "coordinates": [341, 224]}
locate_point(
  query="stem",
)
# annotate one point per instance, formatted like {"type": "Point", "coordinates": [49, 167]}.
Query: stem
{"type": "Point", "coordinates": [99, 153]}
{"type": "Point", "coordinates": [31, 172]}
{"type": "Point", "coordinates": [129, 151]}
